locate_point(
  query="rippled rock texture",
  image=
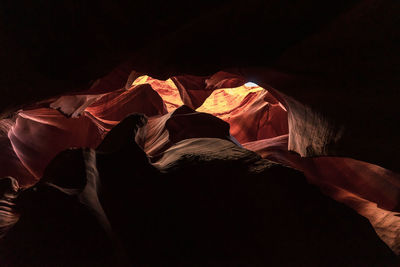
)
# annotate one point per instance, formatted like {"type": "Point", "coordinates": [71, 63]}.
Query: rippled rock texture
{"type": "Point", "coordinates": [206, 201]}
{"type": "Point", "coordinates": [326, 112]}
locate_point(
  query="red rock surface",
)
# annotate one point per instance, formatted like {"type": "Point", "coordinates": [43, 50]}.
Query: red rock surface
{"type": "Point", "coordinates": [251, 115]}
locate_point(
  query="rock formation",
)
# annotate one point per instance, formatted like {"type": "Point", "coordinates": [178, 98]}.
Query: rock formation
{"type": "Point", "coordinates": [215, 171]}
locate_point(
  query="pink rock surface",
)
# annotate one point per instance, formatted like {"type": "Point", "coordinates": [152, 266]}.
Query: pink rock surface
{"type": "Point", "coordinates": [253, 117]}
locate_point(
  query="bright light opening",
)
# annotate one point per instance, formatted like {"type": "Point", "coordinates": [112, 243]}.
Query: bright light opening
{"type": "Point", "coordinates": [250, 84]}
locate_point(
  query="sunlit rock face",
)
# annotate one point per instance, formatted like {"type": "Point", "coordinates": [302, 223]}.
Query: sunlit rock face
{"type": "Point", "coordinates": [332, 63]}
{"type": "Point", "coordinates": [70, 74]}
{"type": "Point", "coordinates": [38, 134]}
{"type": "Point", "coordinates": [189, 120]}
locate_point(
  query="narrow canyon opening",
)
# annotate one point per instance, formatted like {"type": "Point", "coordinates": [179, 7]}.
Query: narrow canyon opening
{"type": "Point", "coordinates": [184, 117]}
{"type": "Point", "coordinates": [237, 133]}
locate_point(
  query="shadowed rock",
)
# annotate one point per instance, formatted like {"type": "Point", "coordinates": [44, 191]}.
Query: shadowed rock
{"type": "Point", "coordinates": [218, 205]}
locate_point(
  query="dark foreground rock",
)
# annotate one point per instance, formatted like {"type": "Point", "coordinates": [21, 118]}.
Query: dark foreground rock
{"type": "Point", "coordinates": [207, 202]}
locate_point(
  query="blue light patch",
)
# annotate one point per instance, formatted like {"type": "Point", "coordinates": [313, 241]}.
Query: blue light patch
{"type": "Point", "coordinates": [250, 84]}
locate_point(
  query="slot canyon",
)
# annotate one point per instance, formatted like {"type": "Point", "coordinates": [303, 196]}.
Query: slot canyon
{"type": "Point", "coordinates": [238, 133]}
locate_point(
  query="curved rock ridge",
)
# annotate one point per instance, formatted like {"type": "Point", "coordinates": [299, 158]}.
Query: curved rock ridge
{"type": "Point", "coordinates": [205, 149]}
{"type": "Point", "coordinates": [206, 201]}
{"type": "Point", "coordinates": [369, 189]}
{"type": "Point", "coordinates": [37, 134]}
{"type": "Point", "coordinates": [333, 65]}
{"type": "Point", "coordinates": [249, 117]}
{"type": "Point", "coordinates": [9, 214]}
{"type": "Point", "coordinates": [182, 123]}
{"type": "Point", "coordinates": [40, 134]}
